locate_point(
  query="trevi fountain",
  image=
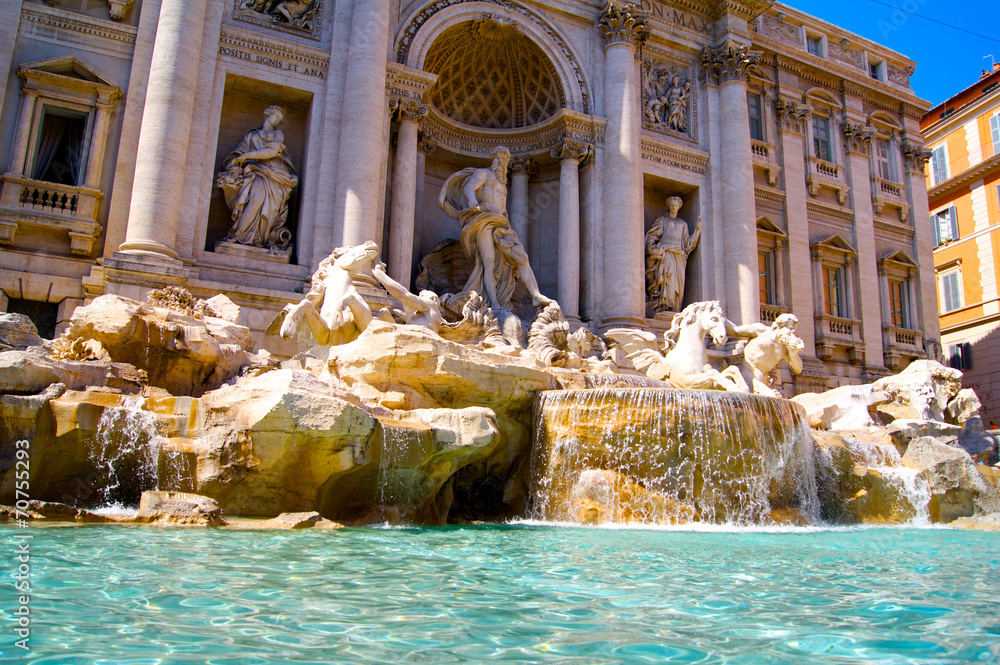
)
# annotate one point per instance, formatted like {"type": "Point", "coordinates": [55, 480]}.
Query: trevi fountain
{"type": "Point", "coordinates": [463, 474]}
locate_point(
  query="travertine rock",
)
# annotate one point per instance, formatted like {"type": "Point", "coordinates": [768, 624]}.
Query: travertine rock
{"type": "Point", "coordinates": [964, 405]}
{"type": "Point", "coordinates": [844, 408]}
{"type": "Point", "coordinates": [861, 479]}
{"type": "Point", "coordinates": [958, 489]}
{"type": "Point", "coordinates": [180, 353]}
{"type": "Point", "coordinates": [905, 430]}
{"type": "Point", "coordinates": [179, 508]}
{"type": "Point", "coordinates": [601, 496]}
{"type": "Point", "coordinates": [989, 522]}
{"type": "Point", "coordinates": [17, 332]}
{"type": "Point", "coordinates": [224, 308]}
{"type": "Point", "coordinates": [32, 371]}
{"type": "Point", "coordinates": [293, 521]}
{"type": "Point", "coordinates": [922, 391]}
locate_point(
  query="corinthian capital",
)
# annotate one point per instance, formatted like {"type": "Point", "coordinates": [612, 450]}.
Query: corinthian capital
{"type": "Point", "coordinates": [857, 137]}
{"type": "Point", "coordinates": [914, 157]}
{"type": "Point", "coordinates": [570, 149]}
{"type": "Point", "coordinates": [726, 63]}
{"type": "Point", "coordinates": [525, 164]}
{"type": "Point", "coordinates": [792, 116]}
{"type": "Point", "coordinates": [625, 24]}
{"type": "Point", "coordinates": [407, 110]}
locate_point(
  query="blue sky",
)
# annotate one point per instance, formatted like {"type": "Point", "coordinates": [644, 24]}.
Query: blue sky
{"type": "Point", "coordinates": [948, 58]}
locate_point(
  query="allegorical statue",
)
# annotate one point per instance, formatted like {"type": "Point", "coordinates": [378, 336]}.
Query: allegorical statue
{"type": "Point", "coordinates": [257, 180]}
{"type": "Point", "coordinates": [766, 348]}
{"type": "Point", "coordinates": [477, 198]}
{"type": "Point", "coordinates": [677, 102]}
{"type": "Point", "coordinates": [668, 245]}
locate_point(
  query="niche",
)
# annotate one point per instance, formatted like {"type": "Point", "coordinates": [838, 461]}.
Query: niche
{"type": "Point", "coordinates": [243, 104]}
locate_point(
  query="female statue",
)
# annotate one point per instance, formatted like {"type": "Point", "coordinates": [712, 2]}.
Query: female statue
{"type": "Point", "coordinates": [257, 182]}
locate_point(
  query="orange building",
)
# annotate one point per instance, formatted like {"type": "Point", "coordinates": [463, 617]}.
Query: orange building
{"type": "Point", "coordinates": [963, 183]}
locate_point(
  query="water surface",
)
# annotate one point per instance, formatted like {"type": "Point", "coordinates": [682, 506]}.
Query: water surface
{"type": "Point", "coordinates": [512, 593]}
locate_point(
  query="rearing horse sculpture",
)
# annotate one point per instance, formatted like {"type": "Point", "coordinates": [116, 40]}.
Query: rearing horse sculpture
{"type": "Point", "coordinates": [685, 364]}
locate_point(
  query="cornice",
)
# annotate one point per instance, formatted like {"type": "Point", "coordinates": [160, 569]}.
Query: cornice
{"type": "Point", "coordinates": [769, 193]}
{"type": "Point", "coordinates": [79, 23]}
{"type": "Point", "coordinates": [233, 37]}
{"type": "Point", "coordinates": [660, 151]}
{"type": "Point", "coordinates": [965, 178]}
{"type": "Point", "coordinates": [830, 210]}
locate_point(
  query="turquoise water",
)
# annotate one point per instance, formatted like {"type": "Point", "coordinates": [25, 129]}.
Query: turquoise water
{"type": "Point", "coordinates": [516, 593]}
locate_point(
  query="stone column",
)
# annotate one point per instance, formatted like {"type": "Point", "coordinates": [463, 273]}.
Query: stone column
{"type": "Point", "coordinates": [161, 156]}
{"type": "Point", "coordinates": [792, 118]}
{"type": "Point", "coordinates": [95, 160]}
{"type": "Point", "coordinates": [361, 139]}
{"type": "Point", "coordinates": [424, 147]}
{"type": "Point", "coordinates": [857, 146]}
{"type": "Point", "coordinates": [623, 29]}
{"type": "Point", "coordinates": [404, 190]}
{"type": "Point", "coordinates": [571, 154]}
{"type": "Point", "coordinates": [10, 22]}
{"type": "Point", "coordinates": [19, 152]}
{"type": "Point", "coordinates": [522, 168]}
{"type": "Point", "coordinates": [726, 66]}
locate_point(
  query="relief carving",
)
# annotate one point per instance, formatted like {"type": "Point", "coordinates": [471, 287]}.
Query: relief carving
{"type": "Point", "coordinates": [666, 98]}
{"type": "Point", "coordinates": [297, 16]}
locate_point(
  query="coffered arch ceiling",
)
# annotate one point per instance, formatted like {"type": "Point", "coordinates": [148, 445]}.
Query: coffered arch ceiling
{"type": "Point", "coordinates": [493, 76]}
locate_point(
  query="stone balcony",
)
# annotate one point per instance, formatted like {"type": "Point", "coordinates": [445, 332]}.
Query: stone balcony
{"type": "Point", "coordinates": [823, 174]}
{"type": "Point", "coordinates": [900, 346]}
{"type": "Point", "coordinates": [768, 313]}
{"type": "Point", "coordinates": [834, 332]}
{"type": "Point", "coordinates": [33, 206]}
{"type": "Point", "coordinates": [889, 194]}
{"type": "Point", "coordinates": [765, 157]}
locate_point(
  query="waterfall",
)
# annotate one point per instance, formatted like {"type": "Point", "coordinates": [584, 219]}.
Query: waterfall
{"type": "Point", "coordinates": [127, 451]}
{"type": "Point", "coordinates": [660, 455]}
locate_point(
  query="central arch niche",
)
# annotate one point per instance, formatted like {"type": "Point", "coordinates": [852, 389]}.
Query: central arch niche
{"type": "Point", "coordinates": [492, 76]}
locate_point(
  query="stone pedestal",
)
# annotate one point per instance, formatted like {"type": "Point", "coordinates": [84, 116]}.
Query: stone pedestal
{"type": "Point", "coordinates": [254, 253]}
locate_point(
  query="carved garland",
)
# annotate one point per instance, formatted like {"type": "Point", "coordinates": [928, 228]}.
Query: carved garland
{"type": "Point", "coordinates": [406, 40]}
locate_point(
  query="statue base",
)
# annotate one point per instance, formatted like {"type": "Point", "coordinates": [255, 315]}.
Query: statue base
{"type": "Point", "coordinates": [256, 253]}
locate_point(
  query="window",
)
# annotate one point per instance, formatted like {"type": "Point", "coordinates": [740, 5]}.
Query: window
{"type": "Point", "coordinates": [814, 45]}
{"type": "Point", "coordinates": [995, 133]}
{"type": "Point", "coordinates": [756, 110]}
{"type": "Point", "coordinates": [939, 165]}
{"type": "Point", "coordinates": [821, 138]}
{"type": "Point", "coordinates": [899, 305]}
{"type": "Point", "coordinates": [951, 290]}
{"type": "Point", "coordinates": [876, 70]}
{"type": "Point", "coordinates": [765, 261]}
{"type": "Point", "coordinates": [960, 355]}
{"type": "Point", "coordinates": [833, 291]}
{"type": "Point", "coordinates": [944, 225]}
{"type": "Point", "coordinates": [44, 315]}
{"type": "Point", "coordinates": [883, 162]}
{"type": "Point", "coordinates": [59, 153]}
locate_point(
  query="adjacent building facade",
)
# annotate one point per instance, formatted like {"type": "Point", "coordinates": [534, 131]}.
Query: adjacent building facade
{"type": "Point", "coordinates": [963, 182]}
{"type": "Point", "coordinates": [794, 145]}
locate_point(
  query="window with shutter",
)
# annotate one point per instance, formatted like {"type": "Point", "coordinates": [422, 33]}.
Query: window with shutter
{"type": "Point", "coordinates": [995, 132]}
{"type": "Point", "coordinates": [951, 291]}
{"type": "Point", "coordinates": [939, 165]}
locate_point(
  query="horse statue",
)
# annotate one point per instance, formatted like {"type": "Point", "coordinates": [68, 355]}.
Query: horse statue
{"type": "Point", "coordinates": [333, 310]}
{"type": "Point", "coordinates": [685, 363]}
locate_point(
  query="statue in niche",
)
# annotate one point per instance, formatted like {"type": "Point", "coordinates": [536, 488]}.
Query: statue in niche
{"type": "Point", "coordinates": [256, 181]}
{"type": "Point", "coordinates": [668, 245]}
{"type": "Point", "coordinates": [295, 13]}
{"type": "Point", "coordinates": [477, 198]}
{"type": "Point", "coordinates": [666, 99]}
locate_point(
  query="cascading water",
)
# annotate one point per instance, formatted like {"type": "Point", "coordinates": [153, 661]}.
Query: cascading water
{"type": "Point", "coordinates": [128, 454]}
{"type": "Point", "coordinates": [659, 455]}
{"type": "Point", "coordinates": [867, 481]}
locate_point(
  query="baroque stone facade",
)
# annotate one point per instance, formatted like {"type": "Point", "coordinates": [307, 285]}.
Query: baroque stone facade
{"type": "Point", "coordinates": [792, 141]}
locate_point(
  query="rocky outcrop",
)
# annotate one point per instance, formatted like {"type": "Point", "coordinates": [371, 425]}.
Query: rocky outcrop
{"type": "Point", "coordinates": [179, 508]}
{"type": "Point", "coordinates": [290, 521]}
{"type": "Point", "coordinates": [180, 353]}
{"type": "Point", "coordinates": [18, 332]}
{"type": "Point", "coordinates": [905, 430]}
{"type": "Point", "coordinates": [33, 371]}
{"type": "Point", "coordinates": [602, 496]}
{"type": "Point", "coordinates": [957, 487]}
{"type": "Point", "coordinates": [989, 522]}
{"type": "Point", "coordinates": [844, 408]}
{"type": "Point", "coordinates": [923, 391]}
{"type": "Point", "coordinates": [862, 480]}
